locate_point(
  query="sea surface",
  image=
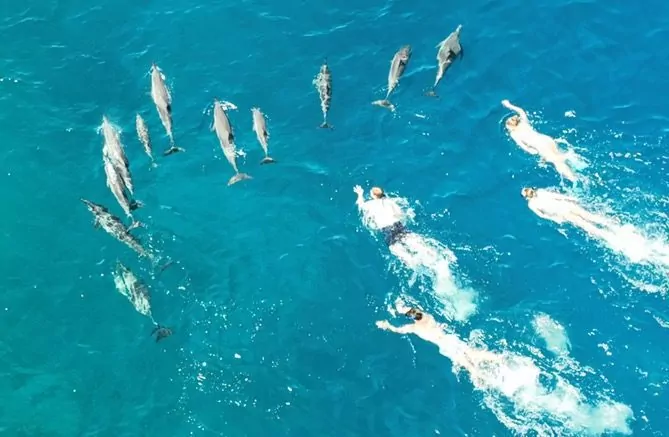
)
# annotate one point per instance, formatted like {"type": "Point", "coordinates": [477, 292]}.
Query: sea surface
{"type": "Point", "coordinates": [276, 285]}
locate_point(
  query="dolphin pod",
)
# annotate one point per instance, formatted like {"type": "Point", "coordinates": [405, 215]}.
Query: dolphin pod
{"type": "Point", "coordinates": [117, 166]}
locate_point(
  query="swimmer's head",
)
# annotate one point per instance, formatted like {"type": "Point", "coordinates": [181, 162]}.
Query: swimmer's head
{"type": "Point", "coordinates": [377, 192]}
{"type": "Point", "coordinates": [528, 193]}
{"type": "Point", "coordinates": [414, 314]}
{"type": "Point", "coordinates": [512, 122]}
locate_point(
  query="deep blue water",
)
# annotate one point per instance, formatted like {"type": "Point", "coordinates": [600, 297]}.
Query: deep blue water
{"type": "Point", "coordinates": [276, 285]}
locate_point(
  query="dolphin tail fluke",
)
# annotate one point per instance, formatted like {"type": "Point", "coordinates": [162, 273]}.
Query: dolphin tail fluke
{"type": "Point", "coordinates": [136, 224]}
{"type": "Point", "coordinates": [135, 204]}
{"type": "Point", "coordinates": [385, 103]}
{"type": "Point", "coordinates": [431, 93]}
{"type": "Point", "coordinates": [325, 125]}
{"type": "Point", "coordinates": [160, 331]}
{"type": "Point", "coordinates": [238, 177]}
{"type": "Point", "coordinates": [267, 160]}
{"type": "Point", "coordinates": [159, 263]}
{"type": "Point", "coordinates": [172, 150]}
{"type": "Point", "coordinates": [153, 165]}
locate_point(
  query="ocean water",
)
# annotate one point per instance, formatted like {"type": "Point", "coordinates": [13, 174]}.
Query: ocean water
{"type": "Point", "coordinates": [276, 284]}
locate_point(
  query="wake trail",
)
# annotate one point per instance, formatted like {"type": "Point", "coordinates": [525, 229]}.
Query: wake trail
{"type": "Point", "coordinates": [432, 261]}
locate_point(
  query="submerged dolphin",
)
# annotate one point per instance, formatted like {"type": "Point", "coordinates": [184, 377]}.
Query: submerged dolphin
{"type": "Point", "coordinates": [137, 292]}
{"type": "Point", "coordinates": [114, 227]}
{"type": "Point", "coordinates": [225, 136]}
{"type": "Point", "coordinates": [397, 66]}
{"type": "Point", "coordinates": [449, 49]}
{"type": "Point", "coordinates": [260, 128]}
{"type": "Point", "coordinates": [323, 84]}
{"type": "Point", "coordinates": [144, 138]}
{"type": "Point", "coordinates": [163, 100]}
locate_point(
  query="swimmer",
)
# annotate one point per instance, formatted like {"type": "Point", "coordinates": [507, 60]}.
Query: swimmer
{"type": "Point", "coordinates": [426, 327]}
{"type": "Point", "coordinates": [382, 213]}
{"type": "Point", "coordinates": [536, 143]}
{"type": "Point", "coordinates": [561, 208]}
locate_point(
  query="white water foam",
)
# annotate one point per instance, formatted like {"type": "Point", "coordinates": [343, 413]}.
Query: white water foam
{"type": "Point", "coordinates": [553, 334]}
{"type": "Point", "coordinates": [527, 398]}
{"type": "Point", "coordinates": [624, 239]}
{"type": "Point", "coordinates": [639, 245]}
{"type": "Point", "coordinates": [430, 262]}
{"type": "Point", "coordinates": [429, 259]}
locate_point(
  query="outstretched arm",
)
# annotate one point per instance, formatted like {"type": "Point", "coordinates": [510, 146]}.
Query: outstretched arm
{"type": "Point", "coordinates": [386, 326]}
{"type": "Point", "coordinates": [360, 201]}
{"type": "Point", "coordinates": [518, 110]}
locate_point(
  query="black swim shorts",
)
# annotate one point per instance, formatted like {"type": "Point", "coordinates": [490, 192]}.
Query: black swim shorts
{"type": "Point", "coordinates": [394, 233]}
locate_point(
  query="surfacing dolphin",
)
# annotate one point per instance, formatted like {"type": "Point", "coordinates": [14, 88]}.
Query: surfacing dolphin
{"type": "Point", "coordinates": [449, 49]}
{"type": "Point", "coordinates": [226, 138]}
{"type": "Point", "coordinates": [114, 150]}
{"type": "Point", "coordinates": [163, 100]}
{"type": "Point", "coordinates": [397, 66]}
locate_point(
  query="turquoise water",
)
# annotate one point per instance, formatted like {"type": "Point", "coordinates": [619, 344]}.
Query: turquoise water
{"type": "Point", "coordinates": [276, 284]}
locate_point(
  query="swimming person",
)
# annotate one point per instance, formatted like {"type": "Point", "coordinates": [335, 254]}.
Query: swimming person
{"type": "Point", "coordinates": [425, 326]}
{"type": "Point", "coordinates": [561, 208]}
{"type": "Point", "coordinates": [426, 257]}
{"type": "Point", "coordinates": [382, 213]}
{"type": "Point", "coordinates": [536, 143]}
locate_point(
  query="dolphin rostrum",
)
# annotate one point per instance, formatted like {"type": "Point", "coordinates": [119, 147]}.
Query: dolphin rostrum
{"type": "Point", "coordinates": [323, 84]}
{"type": "Point", "coordinates": [163, 101]}
{"type": "Point", "coordinates": [225, 136]}
{"type": "Point", "coordinates": [260, 128]}
{"type": "Point", "coordinates": [137, 292]}
{"type": "Point", "coordinates": [114, 150]}
{"type": "Point", "coordinates": [449, 49]}
{"type": "Point", "coordinates": [144, 138]}
{"type": "Point", "coordinates": [114, 227]}
{"type": "Point", "coordinates": [397, 67]}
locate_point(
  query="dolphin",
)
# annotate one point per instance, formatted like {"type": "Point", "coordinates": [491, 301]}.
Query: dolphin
{"type": "Point", "coordinates": [163, 100]}
{"type": "Point", "coordinates": [449, 49]}
{"type": "Point", "coordinates": [144, 138]}
{"type": "Point", "coordinates": [114, 227]}
{"type": "Point", "coordinates": [260, 128]}
{"type": "Point", "coordinates": [397, 66]}
{"type": "Point", "coordinates": [323, 84]}
{"type": "Point", "coordinates": [116, 185]}
{"type": "Point", "coordinates": [114, 150]}
{"type": "Point", "coordinates": [137, 292]}
{"type": "Point", "coordinates": [225, 136]}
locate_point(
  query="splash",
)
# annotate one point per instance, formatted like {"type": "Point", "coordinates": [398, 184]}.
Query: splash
{"type": "Point", "coordinates": [529, 399]}
{"type": "Point", "coordinates": [608, 229]}
{"type": "Point", "coordinates": [429, 259]}
{"type": "Point", "coordinates": [431, 262]}
{"type": "Point", "coordinates": [553, 334]}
